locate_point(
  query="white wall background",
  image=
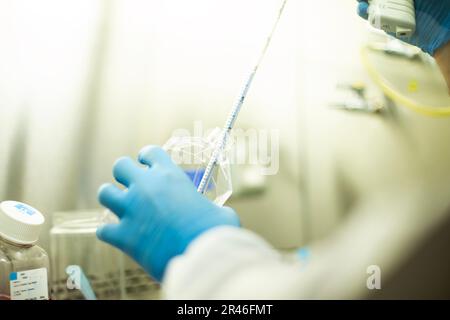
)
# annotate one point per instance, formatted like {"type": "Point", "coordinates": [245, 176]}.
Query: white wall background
{"type": "Point", "coordinates": [85, 82]}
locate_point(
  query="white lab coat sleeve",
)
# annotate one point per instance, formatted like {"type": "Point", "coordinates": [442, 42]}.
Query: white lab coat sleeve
{"type": "Point", "coordinates": [230, 263]}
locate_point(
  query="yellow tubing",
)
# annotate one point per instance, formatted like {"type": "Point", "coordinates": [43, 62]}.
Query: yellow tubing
{"type": "Point", "coordinates": [399, 98]}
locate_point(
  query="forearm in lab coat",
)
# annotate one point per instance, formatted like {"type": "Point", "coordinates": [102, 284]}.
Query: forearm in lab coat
{"type": "Point", "coordinates": [228, 263]}
{"type": "Point", "coordinates": [232, 263]}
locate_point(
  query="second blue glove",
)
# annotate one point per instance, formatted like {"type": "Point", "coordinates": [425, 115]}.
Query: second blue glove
{"type": "Point", "coordinates": [433, 23]}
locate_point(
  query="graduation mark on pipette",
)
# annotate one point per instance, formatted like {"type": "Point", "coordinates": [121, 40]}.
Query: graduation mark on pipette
{"type": "Point", "coordinates": [231, 120]}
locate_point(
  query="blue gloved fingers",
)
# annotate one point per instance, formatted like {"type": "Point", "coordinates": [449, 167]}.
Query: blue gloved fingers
{"type": "Point", "coordinates": [151, 155]}
{"type": "Point", "coordinates": [111, 234]}
{"type": "Point", "coordinates": [112, 198]}
{"type": "Point", "coordinates": [362, 9]}
{"type": "Point", "coordinates": [126, 171]}
{"type": "Point", "coordinates": [161, 211]}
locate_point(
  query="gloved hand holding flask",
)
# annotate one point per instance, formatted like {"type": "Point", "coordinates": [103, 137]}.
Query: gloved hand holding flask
{"type": "Point", "coordinates": [160, 212]}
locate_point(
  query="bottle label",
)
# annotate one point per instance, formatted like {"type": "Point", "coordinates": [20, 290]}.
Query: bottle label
{"type": "Point", "coordinates": [29, 285]}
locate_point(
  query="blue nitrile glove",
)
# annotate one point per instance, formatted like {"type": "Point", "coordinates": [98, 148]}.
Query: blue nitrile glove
{"type": "Point", "coordinates": [432, 23]}
{"type": "Point", "coordinates": [160, 213]}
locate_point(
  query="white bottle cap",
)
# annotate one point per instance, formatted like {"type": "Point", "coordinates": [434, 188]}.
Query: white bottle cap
{"type": "Point", "coordinates": [20, 223]}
